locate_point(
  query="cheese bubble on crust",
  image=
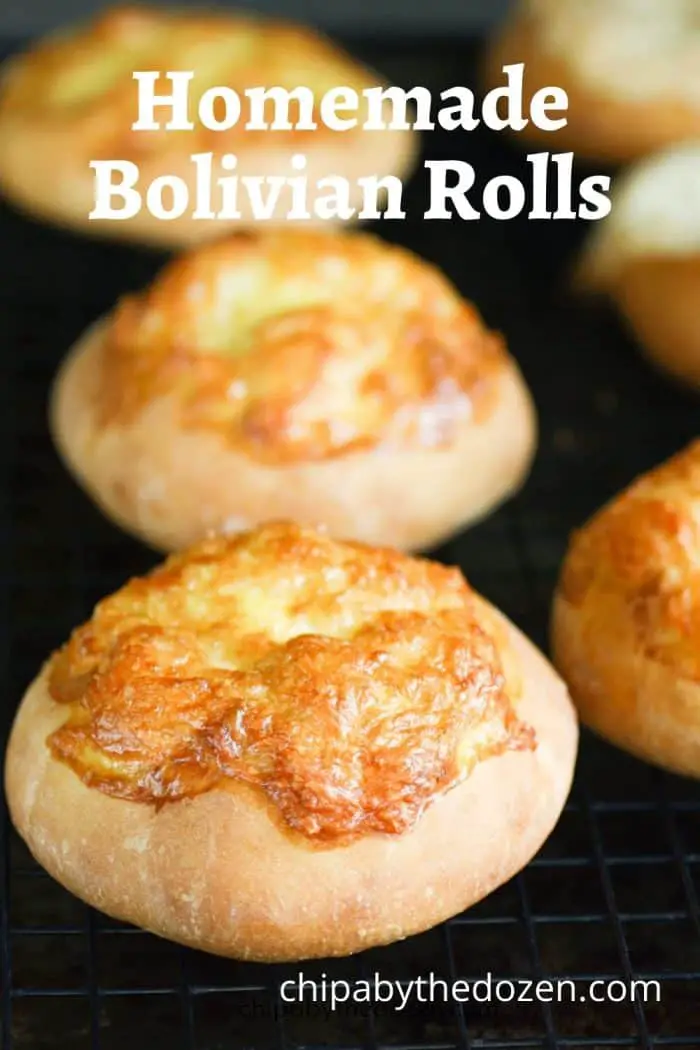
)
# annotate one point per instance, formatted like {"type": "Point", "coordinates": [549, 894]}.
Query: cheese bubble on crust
{"type": "Point", "coordinates": [655, 211]}
{"type": "Point", "coordinates": [634, 49]}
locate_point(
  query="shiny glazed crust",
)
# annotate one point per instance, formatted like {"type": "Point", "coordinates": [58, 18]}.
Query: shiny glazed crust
{"type": "Point", "coordinates": [326, 379]}
{"type": "Point", "coordinates": [217, 872]}
{"type": "Point", "coordinates": [626, 617]}
{"type": "Point", "coordinates": [601, 126]}
{"type": "Point", "coordinates": [72, 99]}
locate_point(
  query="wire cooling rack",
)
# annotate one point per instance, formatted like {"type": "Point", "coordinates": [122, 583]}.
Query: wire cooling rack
{"type": "Point", "coordinates": [613, 894]}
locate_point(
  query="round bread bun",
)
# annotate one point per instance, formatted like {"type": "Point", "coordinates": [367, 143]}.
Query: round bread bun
{"type": "Point", "coordinates": [278, 746]}
{"type": "Point", "coordinates": [631, 72]}
{"type": "Point", "coordinates": [646, 257]}
{"type": "Point", "coordinates": [626, 619]}
{"type": "Point", "coordinates": [72, 99]}
{"type": "Point", "coordinates": [324, 378]}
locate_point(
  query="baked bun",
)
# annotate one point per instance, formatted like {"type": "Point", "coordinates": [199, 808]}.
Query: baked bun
{"type": "Point", "coordinates": [326, 378]}
{"type": "Point", "coordinates": [72, 100]}
{"type": "Point", "coordinates": [279, 746]}
{"type": "Point", "coordinates": [626, 622]}
{"type": "Point", "coordinates": [646, 257]}
{"type": "Point", "coordinates": [631, 72]}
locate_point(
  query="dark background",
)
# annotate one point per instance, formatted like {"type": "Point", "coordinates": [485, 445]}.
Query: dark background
{"type": "Point", "coordinates": [350, 17]}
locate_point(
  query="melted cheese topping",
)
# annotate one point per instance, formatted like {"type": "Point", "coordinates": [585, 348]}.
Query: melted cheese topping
{"type": "Point", "coordinates": [655, 211]}
{"type": "Point", "coordinates": [645, 548]}
{"type": "Point", "coordinates": [302, 346]}
{"type": "Point", "coordinates": [351, 685]}
{"type": "Point", "coordinates": [635, 49]}
{"type": "Point", "coordinates": [83, 79]}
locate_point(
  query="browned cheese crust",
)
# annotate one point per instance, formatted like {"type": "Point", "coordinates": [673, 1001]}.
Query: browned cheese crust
{"type": "Point", "coordinates": [626, 622]}
{"type": "Point", "coordinates": [324, 378]}
{"type": "Point", "coordinates": [351, 685]}
{"type": "Point", "coordinates": [601, 126]}
{"type": "Point", "coordinates": [72, 99]}
{"type": "Point", "coordinates": [278, 746]}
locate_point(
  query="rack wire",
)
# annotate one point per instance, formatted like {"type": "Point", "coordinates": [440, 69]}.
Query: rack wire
{"type": "Point", "coordinates": [613, 894]}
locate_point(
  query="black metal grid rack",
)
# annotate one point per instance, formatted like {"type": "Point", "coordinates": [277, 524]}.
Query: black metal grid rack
{"type": "Point", "coordinates": [614, 893]}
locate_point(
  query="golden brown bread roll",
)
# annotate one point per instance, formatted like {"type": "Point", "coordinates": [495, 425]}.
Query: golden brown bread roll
{"type": "Point", "coordinates": [626, 619]}
{"type": "Point", "coordinates": [278, 746]}
{"type": "Point", "coordinates": [631, 72]}
{"type": "Point", "coordinates": [327, 378]}
{"type": "Point", "coordinates": [72, 100]}
{"type": "Point", "coordinates": [646, 258]}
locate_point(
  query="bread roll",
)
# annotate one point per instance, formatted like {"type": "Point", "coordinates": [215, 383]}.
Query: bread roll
{"type": "Point", "coordinates": [326, 378]}
{"type": "Point", "coordinates": [646, 257]}
{"type": "Point", "coordinates": [626, 620]}
{"type": "Point", "coordinates": [631, 71]}
{"type": "Point", "coordinates": [72, 99]}
{"type": "Point", "coordinates": [278, 746]}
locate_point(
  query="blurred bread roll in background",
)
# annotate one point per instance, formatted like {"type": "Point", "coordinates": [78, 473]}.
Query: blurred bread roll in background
{"type": "Point", "coordinates": [646, 258]}
{"type": "Point", "coordinates": [328, 378]}
{"type": "Point", "coordinates": [71, 99]}
{"type": "Point", "coordinates": [631, 69]}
